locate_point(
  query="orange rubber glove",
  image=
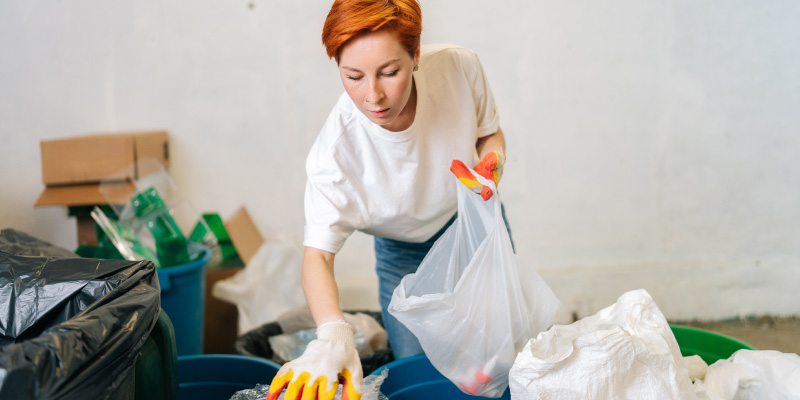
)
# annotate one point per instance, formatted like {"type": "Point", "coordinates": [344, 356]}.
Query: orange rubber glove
{"type": "Point", "coordinates": [328, 360]}
{"type": "Point", "coordinates": [491, 167]}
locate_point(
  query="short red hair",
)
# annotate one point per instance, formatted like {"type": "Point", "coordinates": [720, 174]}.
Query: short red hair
{"type": "Point", "coordinates": [349, 18]}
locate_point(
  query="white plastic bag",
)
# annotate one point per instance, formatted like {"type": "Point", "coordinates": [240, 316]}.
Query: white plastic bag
{"type": "Point", "coordinates": [267, 286]}
{"type": "Point", "coordinates": [468, 304]}
{"type": "Point", "coordinates": [625, 351]}
{"type": "Point", "coordinates": [755, 374]}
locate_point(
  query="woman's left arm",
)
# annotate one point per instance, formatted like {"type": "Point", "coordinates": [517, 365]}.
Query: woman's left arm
{"type": "Point", "coordinates": [494, 142]}
{"type": "Point", "coordinates": [491, 149]}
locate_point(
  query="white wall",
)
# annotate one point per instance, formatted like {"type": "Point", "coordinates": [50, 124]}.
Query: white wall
{"type": "Point", "coordinates": [651, 144]}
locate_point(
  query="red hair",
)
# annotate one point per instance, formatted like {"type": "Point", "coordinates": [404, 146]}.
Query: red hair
{"type": "Point", "coordinates": [349, 18]}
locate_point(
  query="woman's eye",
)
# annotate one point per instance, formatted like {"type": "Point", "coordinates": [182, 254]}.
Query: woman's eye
{"type": "Point", "coordinates": [393, 73]}
{"type": "Point", "coordinates": [354, 78]}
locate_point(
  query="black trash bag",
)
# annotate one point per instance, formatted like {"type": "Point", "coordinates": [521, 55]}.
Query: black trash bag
{"type": "Point", "coordinates": [255, 343]}
{"type": "Point", "coordinates": [20, 243]}
{"type": "Point", "coordinates": [71, 328]}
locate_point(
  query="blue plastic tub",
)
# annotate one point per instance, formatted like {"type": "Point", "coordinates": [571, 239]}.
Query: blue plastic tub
{"type": "Point", "coordinates": [183, 298]}
{"type": "Point", "coordinates": [219, 376]}
{"type": "Point", "coordinates": [414, 378]}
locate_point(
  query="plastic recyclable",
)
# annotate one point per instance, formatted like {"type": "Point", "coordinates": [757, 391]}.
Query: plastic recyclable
{"type": "Point", "coordinates": [170, 243]}
{"type": "Point", "coordinates": [214, 222]}
{"type": "Point", "coordinates": [152, 223]}
{"type": "Point", "coordinates": [129, 244]}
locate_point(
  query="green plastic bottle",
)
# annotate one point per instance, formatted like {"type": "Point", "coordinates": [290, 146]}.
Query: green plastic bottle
{"type": "Point", "coordinates": [171, 245]}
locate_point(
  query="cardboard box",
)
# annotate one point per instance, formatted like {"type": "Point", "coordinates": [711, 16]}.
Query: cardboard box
{"type": "Point", "coordinates": [87, 235]}
{"type": "Point", "coordinates": [244, 234]}
{"type": "Point", "coordinates": [85, 195]}
{"type": "Point", "coordinates": [72, 168]}
{"type": "Point", "coordinates": [95, 158]}
{"type": "Point", "coordinates": [220, 318]}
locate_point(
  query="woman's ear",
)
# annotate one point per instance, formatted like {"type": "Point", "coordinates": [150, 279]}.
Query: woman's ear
{"type": "Point", "coordinates": [416, 56]}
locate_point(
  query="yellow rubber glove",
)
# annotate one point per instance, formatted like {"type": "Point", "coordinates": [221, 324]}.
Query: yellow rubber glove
{"type": "Point", "coordinates": [328, 360]}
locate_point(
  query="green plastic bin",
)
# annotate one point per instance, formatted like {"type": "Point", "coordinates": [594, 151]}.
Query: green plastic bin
{"type": "Point", "coordinates": [156, 369]}
{"type": "Point", "coordinates": [710, 346]}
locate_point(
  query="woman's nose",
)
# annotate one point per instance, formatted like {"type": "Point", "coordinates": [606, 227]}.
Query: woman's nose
{"type": "Point", "coordinates": [375, 93]}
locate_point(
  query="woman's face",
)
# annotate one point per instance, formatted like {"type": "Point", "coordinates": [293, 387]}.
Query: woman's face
{"type": "Point", "coordinates": [376, 73]}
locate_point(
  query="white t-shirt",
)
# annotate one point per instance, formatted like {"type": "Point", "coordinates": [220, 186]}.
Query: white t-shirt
{"type": "Point", "coordinates": [398, 185]}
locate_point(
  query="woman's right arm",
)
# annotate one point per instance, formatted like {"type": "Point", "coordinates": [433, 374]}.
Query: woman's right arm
{"type": "Point", "coordinates": [319, 286]}
{"type": "Point", "coordinates": [331, 358]}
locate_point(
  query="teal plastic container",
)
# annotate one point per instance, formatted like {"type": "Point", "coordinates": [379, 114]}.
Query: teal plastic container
{"type": "Point", "coordinates": [183, 298]}
{"type": "Point", "coordinates": [415, 377]}
{"type": "Point", "coordinates": [219, 376]}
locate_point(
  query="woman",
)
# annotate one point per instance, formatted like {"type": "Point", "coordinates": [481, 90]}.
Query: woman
{"type": "Point", "coordinates": [381, 166]}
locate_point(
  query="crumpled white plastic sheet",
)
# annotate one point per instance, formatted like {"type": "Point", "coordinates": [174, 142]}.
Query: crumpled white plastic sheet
{"type": "Point", "coordinates": [752, 375]}
{"type": "Point", "coordinates": [625, 351]}
{"type": "Point", "coordinates": [267, 286]}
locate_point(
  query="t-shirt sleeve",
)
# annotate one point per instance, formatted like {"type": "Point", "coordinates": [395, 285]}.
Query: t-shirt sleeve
{"type": "Point", "coordinates": [325, 227]}
{"type": "Point", "coordinates": [485, 107]}
{"type": "Point", "coordinates": [327, 204]}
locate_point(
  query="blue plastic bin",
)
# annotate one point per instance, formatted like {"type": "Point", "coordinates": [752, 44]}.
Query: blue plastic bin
{"type": "Point", "coordinates": [219, 376]}
{"type": "Point", "coordinates": [414, 378]}
{"type": "Point", "coordinates": [183, 298]}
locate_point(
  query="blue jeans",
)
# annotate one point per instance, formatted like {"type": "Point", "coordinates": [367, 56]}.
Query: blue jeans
{"type": "Point", "coordinates": [394, 260]}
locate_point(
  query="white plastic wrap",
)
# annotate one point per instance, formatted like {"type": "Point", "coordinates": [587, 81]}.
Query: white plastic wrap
{"type": "Point", "coordinates": [754, 375]}
{"type": "Point", "coordinates": [469, 304]}
{"type": "Point", "coordinates": [625, 351]}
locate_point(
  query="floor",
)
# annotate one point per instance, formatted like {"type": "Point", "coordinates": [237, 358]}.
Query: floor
{"type": "Point", "coordinates": [764, 332]}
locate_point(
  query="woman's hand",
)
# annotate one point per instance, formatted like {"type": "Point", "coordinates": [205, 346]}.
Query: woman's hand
{"type": "Point", "coordinates": [465, 176]}
{"type": "Point", "coordinates": [328, 360]}
{"type": "Point", "coordinates": [491, 167]}
{"type": "Point", "coordinates": [490, 148]}
{"type": "Point", "coordinates": [331, 359]}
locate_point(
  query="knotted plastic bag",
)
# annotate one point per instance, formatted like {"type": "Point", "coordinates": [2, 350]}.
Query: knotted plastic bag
{"type": "Point", "coordinates": [469, 304]}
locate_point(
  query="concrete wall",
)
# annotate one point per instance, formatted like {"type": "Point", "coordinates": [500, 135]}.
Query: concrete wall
{"type": "Point", "coordinates": [650, 144]}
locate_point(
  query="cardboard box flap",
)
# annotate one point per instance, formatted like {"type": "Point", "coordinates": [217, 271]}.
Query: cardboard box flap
{"type": "Point", "coordinates": [244, 234]}
{"type": "Point", "coordinates": [85, 195]}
